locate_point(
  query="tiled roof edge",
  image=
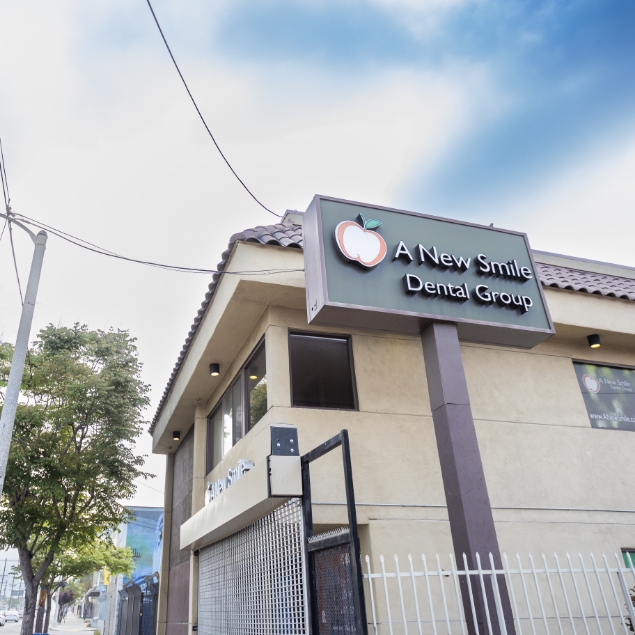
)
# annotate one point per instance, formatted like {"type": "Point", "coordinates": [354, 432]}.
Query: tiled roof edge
{"type": "Point", "coordinates": [569, 279]}
{"type": "Point", "coordinates": [280, 234]}
{"type": "Point", "coordinates": [290, 235]}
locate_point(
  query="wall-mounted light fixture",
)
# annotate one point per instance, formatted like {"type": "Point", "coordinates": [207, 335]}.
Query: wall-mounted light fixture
{"type": "Point", "coordinates": [594, 340]}
{"type": "Point", "coordinates": [214, 370]}
{"type": "Point", "coordinates": [176, 435]}
{"type": "Point", "coordinates": [253, 372]}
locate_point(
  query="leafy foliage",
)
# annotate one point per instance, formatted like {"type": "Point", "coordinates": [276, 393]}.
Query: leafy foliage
{"type": "Point", "coordinates": [71, 459]}
{"type": "Point", "coordinates": [73, 563]}
{"type": "Point", "coordinates": [257, 403]}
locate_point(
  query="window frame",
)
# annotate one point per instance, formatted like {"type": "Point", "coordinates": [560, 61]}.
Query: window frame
{"type": "Point", "coordinates": [242, 377]}
{"type": "Point", "coordinates": [351, 365]}
{"type": "Point", "coordinates": [595, 362]}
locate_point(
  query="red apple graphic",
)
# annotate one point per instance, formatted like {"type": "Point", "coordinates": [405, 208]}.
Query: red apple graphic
{"type": "Point", "coordinates": [360, 243]}
{"type": "Point", "coordinates": [591, 383]}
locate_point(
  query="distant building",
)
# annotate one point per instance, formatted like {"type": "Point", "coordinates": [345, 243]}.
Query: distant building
{"type": "Point", "coordinates": [144, 536]}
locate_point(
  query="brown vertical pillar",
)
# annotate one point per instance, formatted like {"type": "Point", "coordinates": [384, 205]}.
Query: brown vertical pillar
{"type": "Point", "coordinates": [164, 574]}
{"type": "Point", "coordinates": [469, 510]}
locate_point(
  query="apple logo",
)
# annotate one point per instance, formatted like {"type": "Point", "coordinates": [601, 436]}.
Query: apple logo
{"type": "Point", "coordinates": [591, 383]}
{"type": "Point", "coordinates": [360, 242]}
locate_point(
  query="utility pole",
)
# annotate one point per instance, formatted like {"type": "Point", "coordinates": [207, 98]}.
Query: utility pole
{"type": "Point", "coordinates": [2, 582]}
{"type": "Point", "coordinates": [21, 344]}
{"type": "Point", "coordinates": [11, 595]}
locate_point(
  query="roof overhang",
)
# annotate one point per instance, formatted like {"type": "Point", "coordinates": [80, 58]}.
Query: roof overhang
{"type": "Point", "coordinates": [239, 303]}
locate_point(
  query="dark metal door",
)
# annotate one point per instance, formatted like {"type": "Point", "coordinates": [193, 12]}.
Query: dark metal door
{"type": "Point", "coordinates": [123, 612]}
{"type": "Point", "coordinates": [334, 568]}
{"type": "Point", "coordinates": [149, 602]}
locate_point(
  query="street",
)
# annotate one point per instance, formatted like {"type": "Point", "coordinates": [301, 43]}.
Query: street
{"type": "Point", "coordinates": [73, 624]}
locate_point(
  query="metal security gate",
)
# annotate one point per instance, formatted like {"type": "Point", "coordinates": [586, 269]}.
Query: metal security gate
{"type": "Point", "coordinates": [149, 605]}
{"type": "Point", "coordinates": [276, 578]}
{"type": "Point", "coordinates": [137, 611]}
{"type": "Point", "coordinates": [253, 582]}
{"type": "Point", "coordinates": [333, 558]}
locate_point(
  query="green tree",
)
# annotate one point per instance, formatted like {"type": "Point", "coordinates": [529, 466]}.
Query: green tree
{"type": "Point", "coordinates": [71, 459]}
{"type": "Point", "coordinates": [72, 563]}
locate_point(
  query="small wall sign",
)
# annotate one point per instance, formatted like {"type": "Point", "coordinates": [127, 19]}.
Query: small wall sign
{"type": "Point", "coordinates": [609, 395]}
{"type": "Point", "coordinates": [216, 488]}
{"type": "Point", "coordinates": [383, 268]}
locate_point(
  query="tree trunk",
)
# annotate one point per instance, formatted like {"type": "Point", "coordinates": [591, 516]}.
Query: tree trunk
{"type": "Point", "coordinates": [47, 617]}
{"type": "Point", "coordinates": [39, 621]}
{"type": "Point", "coordinates": [31, 583]}
{"type": "Point", "coordinates": [30, 595]}
{"type": "Point", "coordinates": [30, 591]}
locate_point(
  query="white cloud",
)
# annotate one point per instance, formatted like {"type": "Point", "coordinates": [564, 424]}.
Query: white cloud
{"type": "Point", "coordinates": [103, 143]}
{"type": "Point", "coordinates": [585, 209]}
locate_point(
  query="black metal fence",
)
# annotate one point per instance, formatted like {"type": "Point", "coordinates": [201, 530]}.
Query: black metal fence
{"type": "Point", "coordinates": [137, 610]}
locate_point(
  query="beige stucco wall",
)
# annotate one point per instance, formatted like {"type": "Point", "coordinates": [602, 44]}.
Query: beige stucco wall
{"type": "Point", "coordinates": [537, 446]}
{"type": "Point", "coordinates": [555, 483]}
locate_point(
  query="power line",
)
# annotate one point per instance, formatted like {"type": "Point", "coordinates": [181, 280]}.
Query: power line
{"type": "Point", "coordinates": [7, 201]}
{"type": "Point", "coordinates": [6, 221]}
{"type": "Point", "coordinates": [209, 132]}
{"type": "Point", "coordinates": [5, 181]}
{"type": "Point", "coordinates": [84, 244]}
{"type": "Point", "coordinates": [15, 264]}
{"type": "Point", "coordinates": [150, 486]}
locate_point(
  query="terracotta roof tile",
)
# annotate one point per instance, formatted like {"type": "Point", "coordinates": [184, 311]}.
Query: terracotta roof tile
{"type": "Point", "coordinates": [586, 281]}
{"type": "Point", "coordinates": [290, 235]}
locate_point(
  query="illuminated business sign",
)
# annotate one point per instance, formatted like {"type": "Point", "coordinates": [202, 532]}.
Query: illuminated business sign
{"type": "Point", "coordinates": [382, 268]}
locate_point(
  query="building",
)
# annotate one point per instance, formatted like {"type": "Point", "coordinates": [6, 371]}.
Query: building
{"type": "Point", "coordinates": [144, 536]}
{"type": "Point", "coordinates": [553, 417]}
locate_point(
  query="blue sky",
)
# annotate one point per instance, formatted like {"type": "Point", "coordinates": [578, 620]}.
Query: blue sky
{"type": "Point", "coordinates": [567, 68]}
{"type": "Point", "coordinates": [517, 113]}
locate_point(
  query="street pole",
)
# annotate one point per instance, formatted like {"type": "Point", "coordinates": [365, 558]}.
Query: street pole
{"type": "Point", "coordinates": [21, 346]}
{"type": "Point", "coordinates": [11, 595]}
{"type": "Point", "coordinates": [2, 583]}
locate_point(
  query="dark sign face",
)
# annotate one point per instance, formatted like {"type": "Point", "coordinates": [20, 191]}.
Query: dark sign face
{"type": "Point", "coordinates": [388, 269]}
{"type": "Point", "coordinates": [609, 395]}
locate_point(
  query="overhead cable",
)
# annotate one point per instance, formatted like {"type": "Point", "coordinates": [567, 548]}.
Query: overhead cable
{"type": "Point", "coordinates": [209, 132]}
{"type": "Point", "coordinates": [84, 244]}
{"type": "Point", "coordinates": [5, 181]}
{"type": "Point", "coordinates": [15, 263]}
{"type": "Point", "coordinates": [6, 222]}
{"type": "Point", "coordinates": [138, 482]}
{"type": "Point", "coordinates": [7, 200]}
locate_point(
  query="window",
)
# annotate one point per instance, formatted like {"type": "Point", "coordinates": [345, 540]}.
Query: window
{"type": "Point", "coordinates": [629, 558]}
{"type": "Point", "coordinates": [321, 371]}
{"type": "Point", "coordinates": [256, 383]}
{"type": "Point", "coordinates": [239, 409]}
{"type": "Point", "coordinates": [609, 395]}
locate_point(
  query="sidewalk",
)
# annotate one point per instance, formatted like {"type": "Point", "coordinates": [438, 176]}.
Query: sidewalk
{"type": "Point", "coordinates": [73, 624]}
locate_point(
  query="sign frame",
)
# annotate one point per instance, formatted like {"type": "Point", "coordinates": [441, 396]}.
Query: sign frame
{"type": "Point", "coordinates": [324, 312]}
{"type": "Point", "coordinates": [601, 364]}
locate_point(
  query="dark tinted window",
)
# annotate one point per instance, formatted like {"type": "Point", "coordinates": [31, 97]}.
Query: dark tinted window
{"type": "Point", "coordinates": [321, 371]}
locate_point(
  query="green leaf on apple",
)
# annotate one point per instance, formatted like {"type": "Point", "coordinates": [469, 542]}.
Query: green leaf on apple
{"type": "Point", "coordinates": [373, 223]}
